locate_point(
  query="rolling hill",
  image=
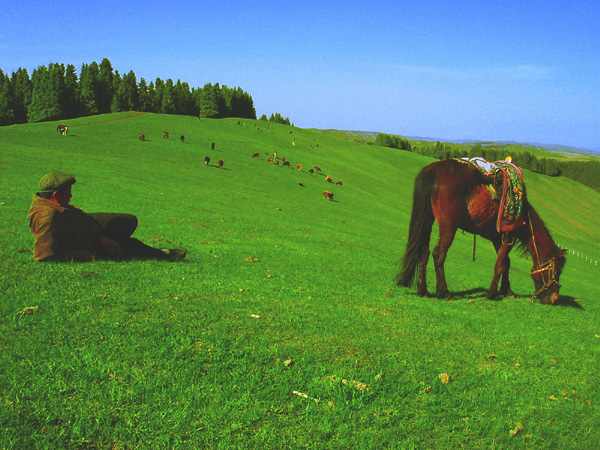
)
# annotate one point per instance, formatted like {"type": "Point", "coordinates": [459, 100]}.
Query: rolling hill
{"type": "Point", "coordinates": [282, 328]}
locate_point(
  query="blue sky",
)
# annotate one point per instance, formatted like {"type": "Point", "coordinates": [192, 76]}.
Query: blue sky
{"type": "Point", "coordinates": [525, 71]}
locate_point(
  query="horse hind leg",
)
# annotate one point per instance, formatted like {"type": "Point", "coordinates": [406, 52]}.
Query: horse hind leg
{"type": "Point", "coordinates": [439, 258]}
{"type": "Point", "coordinates": [422, 282]}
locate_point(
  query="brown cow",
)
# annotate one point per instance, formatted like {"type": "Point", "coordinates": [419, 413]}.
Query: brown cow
{"type": "Point", "coordinates": [328, 195]}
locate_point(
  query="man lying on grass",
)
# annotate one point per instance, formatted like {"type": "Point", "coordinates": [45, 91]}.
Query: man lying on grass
{"type": "Point", "coordinates": [64, 232]}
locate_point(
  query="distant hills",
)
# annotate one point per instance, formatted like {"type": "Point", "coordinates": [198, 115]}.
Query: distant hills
{"type": "Point", "coordinates": [552, 147]}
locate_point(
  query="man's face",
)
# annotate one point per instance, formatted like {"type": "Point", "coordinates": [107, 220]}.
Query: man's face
{"type": "Point", "coordinates": [63, 197]}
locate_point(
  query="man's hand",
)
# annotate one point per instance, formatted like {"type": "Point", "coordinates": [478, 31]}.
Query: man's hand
{"type": "Point", "coordinates": [111, 246]}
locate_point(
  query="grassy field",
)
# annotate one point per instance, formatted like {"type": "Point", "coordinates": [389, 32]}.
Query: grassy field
{"type": "Point", "coordinates": [282, 328]}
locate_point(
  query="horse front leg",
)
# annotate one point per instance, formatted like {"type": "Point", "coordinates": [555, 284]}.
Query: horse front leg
{"type": "Point", "coordinates": [439, 258]}
{"type": "Point", "coordinates": [505, 289]}
{"type": "Point", "coordinates": [500, 270]}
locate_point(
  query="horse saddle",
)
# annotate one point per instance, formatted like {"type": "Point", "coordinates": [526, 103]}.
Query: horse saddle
{"type": "Point", "coordinates": [505, 182]}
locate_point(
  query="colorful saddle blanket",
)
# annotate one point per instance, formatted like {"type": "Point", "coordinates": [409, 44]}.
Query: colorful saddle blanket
{"type": "Point", "coordinates": [509, 188]}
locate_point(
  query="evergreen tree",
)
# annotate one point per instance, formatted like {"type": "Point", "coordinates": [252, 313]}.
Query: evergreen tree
{"type": "Point", "coordinates": [185, 102]}
{"type": "Point", "coordinates": [54, 92]}
{"type": "Point", "coordinates": [278, 118]}
{"type": "Point", "coordinates": [127, 97]}
{"type": "Point", "coordinates": [47, 99]}
{"type": "Point", "coordinates": [7, 101]}
{"type": "Point", "coordinates": [71, 94]}
{"type": "Point", "coordinates": [22, 90]}
{"type": "Point", "coordinates": [168, 104]}
{"type": "Point", "coordinates": [209, 101]}
{"type": "Point", "coordinates": [158, 94]}
{"type": "Point", "coordinates": [88, 89]}
{"type": "Point", "coordinates": [145, 101]}
{"type": "Point", "coordinates": [107, 87]}
{"type": "Point", "coordinates": [116, 105]}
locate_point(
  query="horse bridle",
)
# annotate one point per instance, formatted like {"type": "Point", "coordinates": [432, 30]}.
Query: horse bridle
{"type": "Point", "coordinates": [549, 266]}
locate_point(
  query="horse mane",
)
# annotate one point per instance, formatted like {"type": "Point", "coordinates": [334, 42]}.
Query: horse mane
{"type": "Point", "coordinates": [521, 244]}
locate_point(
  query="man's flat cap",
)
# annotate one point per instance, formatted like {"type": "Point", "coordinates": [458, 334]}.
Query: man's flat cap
{"type": "Point", "coordinates": [55, 181]}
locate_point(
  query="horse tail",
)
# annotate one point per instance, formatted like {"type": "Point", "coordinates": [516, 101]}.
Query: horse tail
{"type": "Point", "coordinates": [419, 232]}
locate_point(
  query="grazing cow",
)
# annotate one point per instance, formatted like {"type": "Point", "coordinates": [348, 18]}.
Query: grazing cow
{"type": "Point", "coordinates": [286, 163]}
{"type": "Point", "coordinates": [300, 184]}
{"type": "Point", "coordinates": [182, 137]}
{"type": "Point", "coordinates": [206, 160]}
{"type": "Point", "coordinates": [328, 179]}
{"type": "Point", "coordinates": [339, 183]}
{"type": "Point", "coordinates": [311, 171]}
{"type": "Point", "coordinates": [166, 134]}
{"type": "Point", "coordinates": [274, 155]}
{"type": "Point", "coordinates": [60, 128]}
{"type": "Point", "coordinates": [256, 155]}
{"type": "Point", "coordinates": [270, 160]}
{"type": "Point", "coordinates": [299, 167]}
{"type": "Point", "coordinates": [142, 137]}
{"type": "Point", "coordinates": [220, 163]}
{"type": "Point", "coordinates": [212, 146]}
{"type": "Point", "coordinates": [283, 158]}
{"type": "Point", "coordinates": [328, 195]}
{"type": "Point", "coordinates": [317, 169]}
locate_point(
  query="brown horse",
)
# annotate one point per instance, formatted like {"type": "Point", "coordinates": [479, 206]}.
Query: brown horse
{"type": "Point", "coordinates": [456, 195]}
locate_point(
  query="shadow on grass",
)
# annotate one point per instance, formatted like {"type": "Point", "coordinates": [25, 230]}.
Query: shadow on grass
{"type": "Point", "coordinates": [471, 293]}
{"type": "Point", "coordinates": [567, 300]}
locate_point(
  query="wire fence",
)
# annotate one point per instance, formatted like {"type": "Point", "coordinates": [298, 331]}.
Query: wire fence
{"type": "Point", "coordinates": [580, 255]}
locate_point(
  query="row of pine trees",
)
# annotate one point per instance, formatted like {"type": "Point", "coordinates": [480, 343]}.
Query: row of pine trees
{"type": "Point", "coordinates": [56, 92]}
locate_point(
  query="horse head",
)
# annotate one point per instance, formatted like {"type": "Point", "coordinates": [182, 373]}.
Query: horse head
{"type": "Point", "coordinates": [546, 279]}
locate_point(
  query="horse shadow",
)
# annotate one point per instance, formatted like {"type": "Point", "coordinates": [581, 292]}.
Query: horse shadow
{"type": "Point", "coordinates": [478, 293]}
{"type": "Point", "coordinates": [471, 293]}
{"type": "Point", "coordinates": [567, 300]}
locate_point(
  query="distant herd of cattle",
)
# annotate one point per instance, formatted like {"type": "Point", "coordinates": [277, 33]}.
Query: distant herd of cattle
{"type": "Point", "coordinates": [64, 130]}
{"type": "Point", "coordinates": [328, 195]}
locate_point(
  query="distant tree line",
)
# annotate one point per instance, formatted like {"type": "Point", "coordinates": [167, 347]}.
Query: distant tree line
{"type": "Point", "coordinates": [56, 92]}
{"type": "Point", "coordinates": [276, 118]}
{"type": "Point", "coordinates": [584, 172]}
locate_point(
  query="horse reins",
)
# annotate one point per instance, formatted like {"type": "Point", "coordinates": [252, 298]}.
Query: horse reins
{"type": "Point", "coordinates": [549, 266]}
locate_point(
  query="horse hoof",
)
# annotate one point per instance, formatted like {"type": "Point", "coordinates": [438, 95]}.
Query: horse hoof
{"type": "Point", "coordinates": [493, 295]}
{"type": "Point", "coordinates": [508, 294]}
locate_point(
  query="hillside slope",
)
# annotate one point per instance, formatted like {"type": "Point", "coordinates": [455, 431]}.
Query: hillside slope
{"type": "Point", "coordinates": [282, 292]}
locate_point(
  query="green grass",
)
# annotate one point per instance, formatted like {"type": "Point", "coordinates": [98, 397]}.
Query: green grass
{"type": "Point", "coordinates": [197, 354]}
